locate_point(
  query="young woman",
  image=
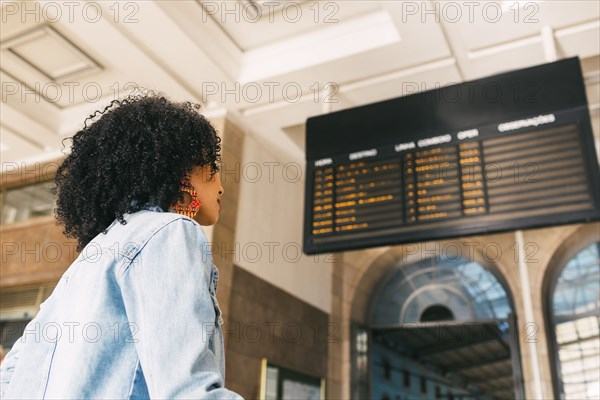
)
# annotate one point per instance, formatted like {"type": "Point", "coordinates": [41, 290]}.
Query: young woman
{"type": "Point", "coordinates": [136, 314]}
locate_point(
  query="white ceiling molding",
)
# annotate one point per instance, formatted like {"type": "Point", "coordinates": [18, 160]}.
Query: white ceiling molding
{"type": "Point", "coordinates": [390, 80]}
{"type": "Point", "coordinates": [28, 128]}
{"type": "Point", "coordinates": [29, 159]}
{"type": "Point", "coordinates": [28, 102]}
{"type": "Point", "coordinates": [582, 40]}
{"type": "Point", "coordinates": [344, 39]}
{"type": "Point", "coordinates": [176, 55]}
{"type": "Point", "coordinates": [298, 134]}
{"type": "Point", "coordinates": [208, 36]}
{"type": "Point", "coordinates": [485, 31]}
{"type": "Point", "coordinates": [19, 146]}
{"type": "Point", "coordinates": [494, 50]}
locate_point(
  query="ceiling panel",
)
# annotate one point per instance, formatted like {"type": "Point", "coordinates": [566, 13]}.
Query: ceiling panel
{"type": "Point", "coordinates": [402, 83]}
{"type": "Point", "coordinates": [580, 40]}
{"type": "Point", "coordinates": [47, 51]}
{"type": "Point", "coordinates": [342, 40]}
{"type": "Point", "coordinates": [247, 31]}
{"type": "Point", "coordinates": [521, 54]}
{"type": "Point", "coordinates": [480, 25]}
{"type": "Point", "coordinates": [15, 147]}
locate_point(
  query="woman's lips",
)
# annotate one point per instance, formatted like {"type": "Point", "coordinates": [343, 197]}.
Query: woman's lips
{"type": "Point", "coordinates": [219, 202]}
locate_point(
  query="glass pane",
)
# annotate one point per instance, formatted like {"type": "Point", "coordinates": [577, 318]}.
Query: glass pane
{"type": "Point", "coordinates": [576, 309]}
{"type": "Point", "coordinates": [27, 202]}
{"type": "Point", "coordinates": [272, 377]}
{"type": "Point", "coordinates": [10, 332]}
{"type": "Point", "coordinates": [465, 289]}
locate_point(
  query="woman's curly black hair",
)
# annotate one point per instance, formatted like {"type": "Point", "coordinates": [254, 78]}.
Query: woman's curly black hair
{"type": "Point", "coordinates": [139, 148]}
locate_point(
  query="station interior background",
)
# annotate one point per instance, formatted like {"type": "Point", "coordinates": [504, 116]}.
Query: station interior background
{"type": "Point", "coordinates": [323, 325]}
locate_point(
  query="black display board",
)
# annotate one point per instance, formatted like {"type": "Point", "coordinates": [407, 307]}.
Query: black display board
{"type": "Point", "coordinates": [511, 151]}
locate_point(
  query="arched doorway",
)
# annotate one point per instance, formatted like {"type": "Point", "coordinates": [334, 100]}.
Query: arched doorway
{"type": "Point", "coordinates": [572, 309]}
{"type": "Point", "coordinates": [438, 328]}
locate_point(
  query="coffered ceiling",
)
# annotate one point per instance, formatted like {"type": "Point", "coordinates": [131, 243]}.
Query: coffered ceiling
{"type": "Point", "coordinates": [268, 64]}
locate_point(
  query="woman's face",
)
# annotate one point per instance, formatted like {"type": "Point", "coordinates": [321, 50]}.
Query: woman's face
{"type": "Point", "coordinates": [209, 191]}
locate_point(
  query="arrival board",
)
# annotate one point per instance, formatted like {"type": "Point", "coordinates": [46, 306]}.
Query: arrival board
{"type": "Point", "coordinates": [468, 166]}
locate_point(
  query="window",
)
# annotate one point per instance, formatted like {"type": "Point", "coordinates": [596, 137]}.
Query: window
{"type": "Point", "coordinates": [387, 370]}
{"type": "Point", "coordinates": [360, 364]}
{"type": "Point", "coordinates": [18, 306]}
{"type": "Point", "coordinates": [426, 291]}
{"type": "Point", "coordinates": [10, 332]}
{"type": "Point", "coordinates": [26, 202]}
{"type": "Point", "coordinates": [423, 385]}
{"type": "Point", "coordinates": [574, 324]}
{"type": "Point", "coordinates": [282, 383]}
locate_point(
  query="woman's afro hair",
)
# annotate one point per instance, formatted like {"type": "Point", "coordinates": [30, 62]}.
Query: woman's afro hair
{"type": "Point", "coordinates": [138, 149]}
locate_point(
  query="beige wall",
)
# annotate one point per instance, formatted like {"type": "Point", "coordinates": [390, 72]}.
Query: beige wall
{"type": "Point", "coordinates": [287, 332]}
{"type": "Point", "coordinates": [34, 252]}
{"type": "Point", "coordinates": [270, 216]}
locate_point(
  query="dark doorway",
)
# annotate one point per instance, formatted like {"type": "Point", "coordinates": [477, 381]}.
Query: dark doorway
{"type": "Point", "coordinates": [437, 313]}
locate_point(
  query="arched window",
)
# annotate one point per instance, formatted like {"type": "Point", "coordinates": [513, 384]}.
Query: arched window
{"type": "Point", "coordinates": [574, 307]}
{"type": "Point", "coordinates": [439, 290]}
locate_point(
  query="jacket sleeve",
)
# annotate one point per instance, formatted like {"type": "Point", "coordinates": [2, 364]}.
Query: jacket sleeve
{"type": "Point", "coordinates": [166, 296]}
{"type": "Point", "coordinates": [8, 366]}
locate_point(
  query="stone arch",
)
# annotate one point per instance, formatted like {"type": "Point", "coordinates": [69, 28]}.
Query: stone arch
{"type": "Point", "coordinates": [384, 261]}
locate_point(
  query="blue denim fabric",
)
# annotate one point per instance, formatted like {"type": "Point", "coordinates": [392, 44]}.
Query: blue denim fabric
{"type": "Point", "coordinates": [135, 316]}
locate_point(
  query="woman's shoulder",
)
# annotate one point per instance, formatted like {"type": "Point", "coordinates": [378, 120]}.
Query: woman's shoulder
{"type": "Point", "coordinates": [173, 223]}
{"type": "Point", "coordinates": [144, 225]}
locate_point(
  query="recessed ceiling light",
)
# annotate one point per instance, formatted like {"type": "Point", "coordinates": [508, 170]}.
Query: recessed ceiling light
{"type": "Point", "coordinates": [511, 5]}
{"type": "Point", "coordinates": [260, 8]}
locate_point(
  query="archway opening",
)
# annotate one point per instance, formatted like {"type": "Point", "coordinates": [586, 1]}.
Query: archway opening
{"type": "Point", "coordinates": [437, 312]}
{"type": "Point", "coordinates": [442, 328]}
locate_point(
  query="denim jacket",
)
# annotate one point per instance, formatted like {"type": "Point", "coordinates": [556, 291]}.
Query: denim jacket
{"type": "Point", "coordinates": [134, 316]}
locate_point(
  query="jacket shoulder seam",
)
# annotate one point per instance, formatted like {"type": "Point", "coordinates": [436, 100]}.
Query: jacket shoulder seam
{"type": "Point", "coordinates": [131, 249]}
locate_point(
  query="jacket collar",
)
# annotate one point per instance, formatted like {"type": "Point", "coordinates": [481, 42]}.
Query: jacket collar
{"type": "Point", "coordinates": [150, 207]}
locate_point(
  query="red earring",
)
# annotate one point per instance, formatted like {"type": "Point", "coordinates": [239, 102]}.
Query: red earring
{"type": "Point", "coordinates": [194, 206]}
